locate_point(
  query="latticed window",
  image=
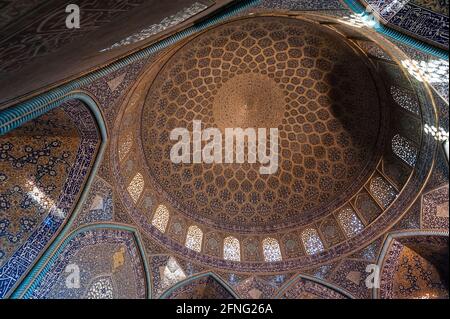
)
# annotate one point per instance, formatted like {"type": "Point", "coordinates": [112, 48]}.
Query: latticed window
{"type": "Point", "coordinates": [382, 191]}
{"type": "Point", "coordinates": [311, 241]}
{"type": "Point", "coordinates": [136, 187]}
{"type": "Point", "coordinates": [404, 149]}
{"type": "Point", "coordinates": [405, 99]}
{"type": "Point", "coordinates": [194, 238]}
{"type": "Point", "coordinates": [271, 250]}
{"type": "Point", "coordinates": [161, 218]}
{"type": "Point", "coordinates": [350, 222]}
{"type": "Point", "coordinates": [231, 249]}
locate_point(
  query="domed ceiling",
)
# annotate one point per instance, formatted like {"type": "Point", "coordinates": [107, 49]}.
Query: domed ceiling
{"type": "Point", "coordinates": [265, 72]}
{"type": "Point", "coordinates": [348, 172]}
{"type": "Point", "coordinates": [339, 131]}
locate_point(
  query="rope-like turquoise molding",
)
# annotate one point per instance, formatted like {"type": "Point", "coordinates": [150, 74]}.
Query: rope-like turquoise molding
{"type": "Point", "coordinates": [17, 115]}
{"type": "Point", "coordinates": [28, 286]}
{"type": "Point", "coordinates": [358, 8]}
{"type": "Point", "coordinates": [93, 107]}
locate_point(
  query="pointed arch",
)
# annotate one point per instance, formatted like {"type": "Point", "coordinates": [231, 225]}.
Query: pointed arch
{"type": "Point", "coordinates": [217, 288]}
{"type": "Point", "coordinates": [390, 252]}
{"type": "Point", "coordinates": [44, 267]}
{"type": "Point", "coordinates": [53, 229]}
{"type": "Point", "coordinates": [382, 191]}
{"type": "Point", "coordinates": [304, 284]}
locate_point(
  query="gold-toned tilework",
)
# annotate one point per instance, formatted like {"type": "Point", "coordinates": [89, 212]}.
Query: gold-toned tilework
{"type": "Point", "coordinates": [35, 160]}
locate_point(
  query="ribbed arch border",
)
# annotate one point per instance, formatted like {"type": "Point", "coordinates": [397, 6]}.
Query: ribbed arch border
{"type": "Point", "coordinates": [43, 266]}
{"type": "Point", "coordinates": [401, 234]}
{"type": "Point", "coordinates": [94, 109]}
{"type": "Point", "coordinates": [292, 281]}
{"type": "Point", "coordinates": [182, 283]}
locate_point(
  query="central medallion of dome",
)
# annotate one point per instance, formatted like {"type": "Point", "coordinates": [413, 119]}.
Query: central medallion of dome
{"type": "Point", "coordinates": [249, 101]}
{"type": "Point", "coordinates": [265, 72]}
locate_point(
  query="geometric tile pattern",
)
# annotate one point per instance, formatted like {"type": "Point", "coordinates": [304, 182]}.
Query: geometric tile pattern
{"type": "Point", "coordinates": [98, 206]}
{"type": "Point", "coordinates": [73, 174]}
{"type": "Point", "coordinates": [109, 264]}
{"type": "Point", "coordinates": [200, 287]}
{"type": "Point", "coordinates": [435, 209]}
{"type": "Point", "coordinates": [408, 274]}
{"type": "Point", "coordinates": [303, 288]}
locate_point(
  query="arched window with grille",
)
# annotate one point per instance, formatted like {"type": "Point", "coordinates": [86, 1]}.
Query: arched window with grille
{"type": "Point", "coordinates": [404, 149]}
{"type": "Point", "coordinates": [231, 249]}
{"type": "Point", "coordinates": [136, 187]}
{"type": "Point", "coordinates": [312, 242]}
{"type": "Point", "coordinates": [271, 250]}
{"type": "Point", "coordinates": [350, 222]}
{"type": "Point", "coordinates": [161, 218]}
{"type": "Point", "coordinates": [194, 238]}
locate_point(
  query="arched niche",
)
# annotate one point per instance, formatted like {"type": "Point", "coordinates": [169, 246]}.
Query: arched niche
{"type": "Point", "coordinates": [49, 163]}
{"type": "Point", "coordinates": [98, 261]}
{"type": "Point", "coordinates": [203, 286]}
{"type": "Point", "coordinates": [306, 287]}
{"type": "Point", "coordinates": [414, 265]}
